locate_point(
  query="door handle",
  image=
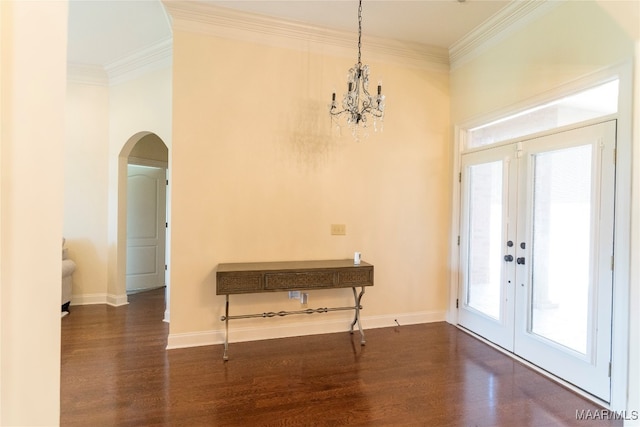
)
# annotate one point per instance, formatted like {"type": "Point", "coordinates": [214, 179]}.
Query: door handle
{"type": "Point", "coordinates": [508, 258]}
{"type": "Point", "coordinates": [520, 260]}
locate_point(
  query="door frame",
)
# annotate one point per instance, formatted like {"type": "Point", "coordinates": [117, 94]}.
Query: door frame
{"type": "Point", "coordinates": [117, 294]}
{"type": "Point", "coordinates": [622, 236]}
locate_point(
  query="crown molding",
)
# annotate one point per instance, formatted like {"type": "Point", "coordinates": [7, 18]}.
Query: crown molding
{"type": "Point", "coordinates": [216, 21]}
{"type": "Point", "coordinates": [151, 58]}
{"type": "Point", "coordinates": [507, 21]}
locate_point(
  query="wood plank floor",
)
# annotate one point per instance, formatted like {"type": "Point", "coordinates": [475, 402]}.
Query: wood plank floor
{"type": "Point", "coordinates": [116, 372]}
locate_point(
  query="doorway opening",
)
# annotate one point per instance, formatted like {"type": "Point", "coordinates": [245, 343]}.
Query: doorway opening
{"type": "Point", "coordinates": [143, 178]}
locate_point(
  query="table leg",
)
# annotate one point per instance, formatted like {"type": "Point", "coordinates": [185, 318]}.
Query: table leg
{"type": "Point", "coordinates": [356, 320]}
{"type": "Point", "coordinates": [226, 329]}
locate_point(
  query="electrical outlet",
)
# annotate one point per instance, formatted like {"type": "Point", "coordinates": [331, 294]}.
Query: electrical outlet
{"type": "Point", "coordinates": [338, 229]}
{"type": "Point", "coordinates": [304, 299]}
{"type": "Point", "coordinates": [294, 294]}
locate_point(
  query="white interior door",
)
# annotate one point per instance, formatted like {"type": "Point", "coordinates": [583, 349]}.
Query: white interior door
{"type": "Point", "coordinates": [146, 227]}
{"type": "Point", "coordinates": [549, 264]}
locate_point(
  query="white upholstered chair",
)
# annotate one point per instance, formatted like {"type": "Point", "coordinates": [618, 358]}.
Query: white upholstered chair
{"type": "Point", "coordinates": [68, 267]}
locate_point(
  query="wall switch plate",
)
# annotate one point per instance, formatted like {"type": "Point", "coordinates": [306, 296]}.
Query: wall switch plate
{"type": "Point", "coordinates": [338, 229]}
{"type": "Point", "coordinates": [294, 294]}
{"type": "Point", "coordinates": [304, 299]}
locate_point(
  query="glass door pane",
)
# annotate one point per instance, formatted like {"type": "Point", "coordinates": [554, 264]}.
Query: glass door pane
{"type": "Point", "coordinates": [564, 255]}
{"type": "Point", "coordinates": [485, 238]}
{"type": "Point", "coordinates": [486, 244]}
{"type": "Point", "coordinates": [561, 267]}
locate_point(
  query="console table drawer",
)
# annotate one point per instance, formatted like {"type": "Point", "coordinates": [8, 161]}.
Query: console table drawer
{"type": "Point", "coordinates": [356, 277]}
{"type": "Point", "coordinates": [244, 278]}
{"type": "Point", "coordinates": [239, 283]}
{"type": "Point", "coordinates": [303, 280]}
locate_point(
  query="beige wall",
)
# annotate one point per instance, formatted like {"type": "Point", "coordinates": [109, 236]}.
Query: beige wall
{"type": "Point", "coordinates": [573, 40]}
{"type": "Point", "coordinates": [259, 176]}
{"type": "Point", "coordinates": [85, 188]}
{"type": "Point", "coordinates": [31, 150]}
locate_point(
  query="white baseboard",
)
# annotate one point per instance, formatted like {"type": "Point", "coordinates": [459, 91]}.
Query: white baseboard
{"type": "Point", "coordinates": [194, 339]}
{"type": "Point", "coordinates": [387, 321]}
{"type": "Point", "coordinates": [117, 300]}
{"type": "Point", "coordinates": [90, 299]}
{"type": "Point", "coordinates": [240, 334]}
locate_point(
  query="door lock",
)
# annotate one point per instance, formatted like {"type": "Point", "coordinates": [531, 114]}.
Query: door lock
{"type": "Point", "coordinates": [520, 260]}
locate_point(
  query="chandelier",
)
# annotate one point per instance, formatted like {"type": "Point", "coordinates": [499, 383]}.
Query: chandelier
{"type": "Point", "coordinates": [358, 105]}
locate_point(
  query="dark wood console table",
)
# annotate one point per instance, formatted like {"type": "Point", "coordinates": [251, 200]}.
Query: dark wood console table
{"type": "Point", "coordinates": [258, 277]}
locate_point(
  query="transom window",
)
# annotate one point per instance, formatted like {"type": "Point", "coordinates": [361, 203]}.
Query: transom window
{"type": "Point", "coordinates": [598, 101]}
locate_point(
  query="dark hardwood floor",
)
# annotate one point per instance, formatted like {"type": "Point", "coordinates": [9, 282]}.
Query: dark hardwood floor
{"type": "Point", "coordinates": [116, 372]}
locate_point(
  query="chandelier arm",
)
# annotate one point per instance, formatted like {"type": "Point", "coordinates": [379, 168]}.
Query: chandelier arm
{"type": "Point", "coordinates": [333, 112]}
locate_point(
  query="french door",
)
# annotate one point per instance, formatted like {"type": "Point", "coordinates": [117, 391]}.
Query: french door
{"type": "Point", "coordinates": [537, 251]}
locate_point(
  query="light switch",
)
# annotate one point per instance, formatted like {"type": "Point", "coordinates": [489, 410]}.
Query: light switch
{"type": "Point", "coordinates": [338, 229]}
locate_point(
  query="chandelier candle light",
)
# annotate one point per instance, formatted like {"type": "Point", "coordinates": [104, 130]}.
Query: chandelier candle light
{"type": "Point", "coordinates": [358, 105]}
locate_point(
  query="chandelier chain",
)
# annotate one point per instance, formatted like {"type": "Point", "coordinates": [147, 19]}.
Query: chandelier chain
{"type": "Point", "coordinates": [360, 33]}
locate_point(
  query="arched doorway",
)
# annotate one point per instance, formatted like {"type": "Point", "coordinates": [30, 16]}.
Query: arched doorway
{"type": "Point", "coordinates": [146, 214]}
{"type": "Point", "coordinates": [142, 218]}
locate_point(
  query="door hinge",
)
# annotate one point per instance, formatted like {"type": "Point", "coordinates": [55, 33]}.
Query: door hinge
{"type": "Point", "coordinates": [612, 261]}
{"type": "Point", "coordinates": [459, 176]}
{"type": "Point", "coordinates": [167, 182]}
{"type": "Point", "coordinates": [166, 225]}
{"type": "Point", "coordinates": [165, 267]}
{"type": "Point", "coordinates": [609, 369]}
{"type": "Point", "coordinates": [456, 302]}
{"type": "Point", "coordinates": [615, 155]}
{"type": "Point", "coordinates": [458, 240]}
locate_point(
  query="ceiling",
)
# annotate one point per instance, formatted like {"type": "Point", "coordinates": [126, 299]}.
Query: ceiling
{"type": "Point", "coordinates": [102, 32]}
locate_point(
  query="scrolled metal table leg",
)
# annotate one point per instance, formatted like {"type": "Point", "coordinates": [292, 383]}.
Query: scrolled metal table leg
{"type": "Point", "coordinates": [355, 316]}
{"type": "Point", "coordinates": [225, 357]}
{"type": "Point", "coordinates": [356, 320]}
